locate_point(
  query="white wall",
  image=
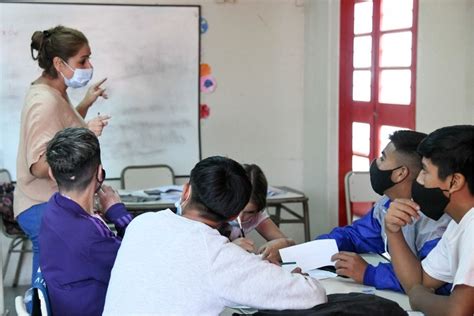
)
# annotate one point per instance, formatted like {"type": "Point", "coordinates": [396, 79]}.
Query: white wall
{"type": "Point", "coordinates": [445, 60]}
{"type": "Point", "coordinates": [320, 133]}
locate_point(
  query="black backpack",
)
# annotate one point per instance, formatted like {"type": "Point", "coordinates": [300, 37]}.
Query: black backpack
{"type": "Point", "coordinates": [346, 304]}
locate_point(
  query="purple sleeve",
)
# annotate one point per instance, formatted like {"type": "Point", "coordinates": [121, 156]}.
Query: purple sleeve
{"type": "Point", "coordinates": [119, 215]}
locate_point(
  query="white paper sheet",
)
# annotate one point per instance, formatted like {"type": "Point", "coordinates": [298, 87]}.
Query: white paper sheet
{"type": "Point", "coordinates": [310, 255]}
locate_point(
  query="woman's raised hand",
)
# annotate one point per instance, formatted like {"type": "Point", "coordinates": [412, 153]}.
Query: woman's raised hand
{"type": "Point", "coordinates": [97, 124]}
{"type": "Point", "coordinates": [94, 92]}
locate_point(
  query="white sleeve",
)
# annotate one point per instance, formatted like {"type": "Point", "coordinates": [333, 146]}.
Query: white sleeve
{"type": "Point", "coordinates": [241, 278]}
{"type": "Point", "coordinates": [436, 264]}
{"type": "Point", "coordinates": [465, 270]}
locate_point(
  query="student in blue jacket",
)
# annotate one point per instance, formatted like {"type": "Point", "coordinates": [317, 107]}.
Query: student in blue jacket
{"type": "Point", "coordinates": [391, 176]}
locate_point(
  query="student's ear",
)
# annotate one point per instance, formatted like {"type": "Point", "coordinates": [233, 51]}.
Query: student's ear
{"type": "Point", "coordinates": [51, 176]}
{"type": "Point", "coordinates": [400, 174]}
{"type": "Point", "coordinates": [457, 182]}
{"type": "Point", "coordinates": [100, 173]}
{"type": "Point", "coordinates": [186, 192]}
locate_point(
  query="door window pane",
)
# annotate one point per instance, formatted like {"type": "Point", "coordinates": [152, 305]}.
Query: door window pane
{"type": "Point", "coordinates": [395, 86]}
{"type": "Point", "coordinates": [360, 163]}
{"type": "Point", "coordinates": [385, 132]}
{"type": "Point", "coordinates": [362, 51]}
{"type": "Point", "coordinates": [395, 50]}
{"type": "Point", "coordinates": [363, 17]}
{"type": "Point", "coordinates": [361, 85]}
{"type": "Point", "coordinates": [396, 14]}
{"type": "Point", "coordinates": [361, 138]}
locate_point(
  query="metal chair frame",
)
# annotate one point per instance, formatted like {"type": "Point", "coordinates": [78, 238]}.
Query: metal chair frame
{"type": "Point", "coordinates": [357, 189]}
{"type": "Point", "coordinates": [19, 242]}
{"type": "Point", "coordinates": [123, 184]}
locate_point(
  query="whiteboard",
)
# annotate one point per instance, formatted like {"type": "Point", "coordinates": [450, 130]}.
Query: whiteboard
{"type": "Point", "coordinates": [150, 55]}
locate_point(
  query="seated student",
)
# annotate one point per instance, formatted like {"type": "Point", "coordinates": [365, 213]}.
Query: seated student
{"type": "Point", "coordinates": [255, 216]}
{"type": "Point", "coordinates": [78, 248]}
{"type": "Point", "coordinates": [180, 265]}
{"type": "Point", "coordinates": [445, 185]}
{"type": "Point", "coordinates": [391, 175]}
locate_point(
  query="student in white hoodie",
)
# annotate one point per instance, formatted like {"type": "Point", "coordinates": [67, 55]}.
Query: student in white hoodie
{"type": "Point", "coordinates": [181, 265]}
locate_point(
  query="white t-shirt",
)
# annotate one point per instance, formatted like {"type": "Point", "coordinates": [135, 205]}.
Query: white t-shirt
{"type": "Point", "coordinates": [452, 260]}
{"type": "Point", "coordinates": [171, 265]}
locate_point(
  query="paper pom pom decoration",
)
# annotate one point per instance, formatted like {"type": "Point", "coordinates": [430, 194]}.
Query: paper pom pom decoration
{"type": "Point", "coordinates": [208, 84]}
{"type": "Point", "coordinates": [204, 111]}
{"type": "Point", "coordinates": [204, 25]}
{"type": "Point", "coordinates": [205, 70]}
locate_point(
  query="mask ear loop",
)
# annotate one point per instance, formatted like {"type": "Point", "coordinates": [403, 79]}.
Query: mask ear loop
{"type": "Point", "coordinates": [408, 173]}
{"type": "Point", "coordinates": [99, 181]}
{"type": "Point", "coordinates": [450, 186]}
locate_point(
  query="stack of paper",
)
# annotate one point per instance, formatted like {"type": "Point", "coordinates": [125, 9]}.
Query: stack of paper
{"type": "Point", "coordinates": [310, 255]}
{"type": "Point", "coordinates": [272, 191]}
{"type": "Point", "coordinates": [164, 189]}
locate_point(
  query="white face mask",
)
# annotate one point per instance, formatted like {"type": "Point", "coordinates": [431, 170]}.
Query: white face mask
{"type": "Point", "coordinates": [80, 77]}
{"type": "Point", "coordinates": [179, 209]}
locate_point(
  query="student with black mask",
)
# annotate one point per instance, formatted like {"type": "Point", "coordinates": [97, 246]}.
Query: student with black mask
{"type": "Point", "coordinates": [444, 185]}
{"type": "Point", "coordinates": [391, 176]}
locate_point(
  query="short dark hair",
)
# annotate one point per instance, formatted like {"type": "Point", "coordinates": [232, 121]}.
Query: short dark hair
{"type": "Point", "coordinates": [59, 41]}
{"type": "Point", "coordinates": [406, 143]}
{"type": "Point", "coordinates": [220, 188]}
{"type": "Point", "coordinates": [73, 155]}
{"type": "Point", "coordinates": [451, 149]}
{"type": "Point", "coordinates": [259, 185]}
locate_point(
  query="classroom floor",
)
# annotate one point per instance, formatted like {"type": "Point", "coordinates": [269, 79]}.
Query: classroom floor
{"type": "Point", "coordinates": [9, 298]}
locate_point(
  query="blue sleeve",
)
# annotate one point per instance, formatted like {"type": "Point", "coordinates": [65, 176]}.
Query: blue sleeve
{"type": "Point", "coordinates": [119, 215]}
{"type": "Point", "coordinates": [424, 251]}
{"type": "Point", "coordinates": [382, 277]}
{"type": "Point", "coordinates": [364, 235]}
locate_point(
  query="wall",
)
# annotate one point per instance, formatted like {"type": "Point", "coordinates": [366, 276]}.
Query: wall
{"type": "Point", "coordinates": [321, 104]}
{"type": "Point", "coordinates": [445, 64]}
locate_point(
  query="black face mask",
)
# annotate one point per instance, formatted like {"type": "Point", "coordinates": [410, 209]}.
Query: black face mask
{"type": "Point", "coordinates": [381, 179]}
{"type": "Point", "coordinates": [432, 201]}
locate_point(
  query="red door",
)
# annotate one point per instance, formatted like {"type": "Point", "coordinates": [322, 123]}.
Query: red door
{"type": "Point", "coordinates": [377, 81]}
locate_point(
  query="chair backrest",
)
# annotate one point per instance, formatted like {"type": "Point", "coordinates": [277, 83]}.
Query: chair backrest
{"type": "Point", "coordinates": [146, 176]}
{"type": "Point", "coordinates": [358, 189]}
{"type": "Point", "coordinates": [5, 176]}
{"type": "Point", "coordinates": [20, 306]}
{"type": "Point", "coordinates": [37, 296]}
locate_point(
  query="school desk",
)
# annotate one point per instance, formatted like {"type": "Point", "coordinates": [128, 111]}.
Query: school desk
{"type": "Point", "coordinates": [282, 205]}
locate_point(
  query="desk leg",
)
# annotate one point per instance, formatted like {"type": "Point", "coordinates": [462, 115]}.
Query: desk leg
{"type": "Point", "coordinates": [278, 215]}
{"type": "Point", "coordinates": [306, 221]}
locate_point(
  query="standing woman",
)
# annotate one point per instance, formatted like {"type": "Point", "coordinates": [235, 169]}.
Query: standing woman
{"type": "Point", "coordinates": [63, 54]}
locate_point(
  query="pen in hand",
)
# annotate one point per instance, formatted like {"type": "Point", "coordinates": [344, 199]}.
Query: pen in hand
{"type": "Point", "coordinates": [240, 225]}
{"type": "Point", "coordinates": [285, 263]}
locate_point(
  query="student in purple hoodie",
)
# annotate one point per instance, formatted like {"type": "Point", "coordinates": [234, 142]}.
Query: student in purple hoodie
{"type": "Point", "coordinates": [78, 248]}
